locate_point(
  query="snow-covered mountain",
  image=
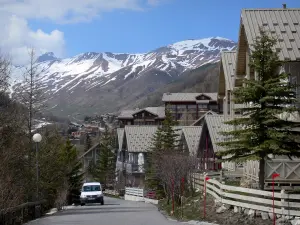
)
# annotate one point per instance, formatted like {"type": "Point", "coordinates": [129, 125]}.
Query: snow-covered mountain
{"type": "Point", "coordinates": [105, 82]}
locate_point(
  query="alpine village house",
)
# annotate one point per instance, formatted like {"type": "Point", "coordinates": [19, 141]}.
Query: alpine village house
{"type": "Point", "coordinates": [201, 116]}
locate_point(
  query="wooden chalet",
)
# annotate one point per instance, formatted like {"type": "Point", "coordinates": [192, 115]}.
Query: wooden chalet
{"type": "Point", "coordinates": [134, 144]}
{"type": "Point", "coordinates": [283, 23]}
{"type": "Point", "coordinates": [146, 116]}
{"type": "Point", "coordinates": [186, 108]}
{"type": "Point", "coordinates": [88, 158]}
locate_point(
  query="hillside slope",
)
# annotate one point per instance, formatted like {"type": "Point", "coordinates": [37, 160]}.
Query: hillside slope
{"type": "Point", "coordinates": [97, 83]}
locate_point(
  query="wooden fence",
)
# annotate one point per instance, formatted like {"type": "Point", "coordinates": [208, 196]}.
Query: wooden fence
{"type": "Point", "coordinates": [289, 171]}
{"type": "Point", "coordinates": [285, 204]}
{"type": "Point", "coordinates": [134, 192]}
{"type": "Point", "coordinates": [22, 213]}
{"type": "Point", "coordinates": [138, 194]}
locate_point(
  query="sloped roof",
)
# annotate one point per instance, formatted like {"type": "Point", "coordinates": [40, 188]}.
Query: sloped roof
{"type": "Point", "coordinates": [120, 132]}
{"type": "Point", "coordinates": [127, 113]}
{"type": "Point", "coordinates": [203, 116]}
{"type": "Point", "coordinates": [186, 97]}
{"type": "Point", "coordinates": [284, 24]}
{"type": "Point", "coordinates": [192, 137]}
{"type": "Point", "coordinates": [91, 149]}
{"type": "Point", "coordinates": [215, 125]}
{"type": "Point", "coordinates": [139, 138]}
{"type": "Point", "coordinates": [158, 111]}
{"type": "Point", "coordinates": [229, 63]}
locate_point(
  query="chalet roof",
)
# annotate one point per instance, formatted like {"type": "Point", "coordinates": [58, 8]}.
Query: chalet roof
{"type": "Point", "coordinates": [139, 138]}
{"type": "Point", "coordinates": [192, 137]}
{"type": "Point", "coordinates": [91, 149]}
{"type": "Point", "coordinates": [128, 114]}
{"type": "Point", "coordinates": [284, 24]}
{"type": "Point", "coordinates": [186, 97]}
{"type": "Point", "coordinates": [215, 125]}
{"type": "Point", "coordinates": [158, 111]}
{"type": "Point", "coordinates": [203, 116]}
{"type": "Point", "coordinates": [229, 62]}
{"type": "Point", "coordinates": [120, 132]}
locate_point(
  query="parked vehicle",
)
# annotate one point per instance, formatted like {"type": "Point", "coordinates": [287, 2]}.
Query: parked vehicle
{"type": "Point", "coordinates": [91, 192]}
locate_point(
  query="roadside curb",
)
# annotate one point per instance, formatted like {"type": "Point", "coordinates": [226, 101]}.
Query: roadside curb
{"type": "Point", "coordinates": [55, 210]}
{"type": "Point", "coordinates": [192, 222]}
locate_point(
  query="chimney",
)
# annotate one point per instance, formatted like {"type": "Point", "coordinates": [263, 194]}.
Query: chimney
{"type": "Point", "coordinates": [284, 6]}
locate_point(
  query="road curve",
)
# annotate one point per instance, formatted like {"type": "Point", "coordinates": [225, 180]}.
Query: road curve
{"type": "Point", "coordinates": [113, 212]}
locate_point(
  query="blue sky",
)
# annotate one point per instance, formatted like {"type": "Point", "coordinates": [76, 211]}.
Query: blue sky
{"type": "Point", "coordinates": [153, 25]}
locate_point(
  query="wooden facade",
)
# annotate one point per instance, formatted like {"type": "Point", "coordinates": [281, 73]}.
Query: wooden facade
{"type": "Point", "coordinates": [186, 112]}
{"type": "Point", "coordinates": [146, 116]}
{"type": "Point", "coordinates": [276, 22]}
{"type": "Point", "coordinates": [208, 161]}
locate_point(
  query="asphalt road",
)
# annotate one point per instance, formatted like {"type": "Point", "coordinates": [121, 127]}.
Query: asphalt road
{"type": "Point", "coordinates": [113, 212]}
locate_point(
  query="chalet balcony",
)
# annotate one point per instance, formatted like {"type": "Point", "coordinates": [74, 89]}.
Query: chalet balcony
{"type": "Point", "coordinates": [120, 166]}
{"type": "Point", "coordinates": [133, 168]}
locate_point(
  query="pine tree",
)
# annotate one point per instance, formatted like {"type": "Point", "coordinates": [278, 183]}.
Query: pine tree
{"type": "Point", "coordinates": [168, 133]}
{"type": "Point", "coordinates": [268, 98]}
{"type": "Point", "coordinates": [74, 173]}
{"type": "Point", "coordinates": [151, 178]}
{"type": "Point", "coordinates": [104, 169]}
{"type": "Point", "coordinates": [163, 142]}
{"type": "Point", "coordinates": [88, 143]}
{"type": "Point", "coordinates": [75, 182]}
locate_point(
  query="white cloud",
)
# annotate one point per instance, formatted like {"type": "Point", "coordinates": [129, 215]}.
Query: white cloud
{"type": "Point", "coordinates": [16, 38]}
{"type": "Point", "coordinates": [66, 11]}
{"type": "Point", "coordinates": [17, 35]}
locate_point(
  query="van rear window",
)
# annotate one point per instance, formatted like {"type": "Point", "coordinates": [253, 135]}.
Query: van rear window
{"type": "Point", "coordinates": [91, 188]}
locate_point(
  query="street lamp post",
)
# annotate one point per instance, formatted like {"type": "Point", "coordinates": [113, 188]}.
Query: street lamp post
{"type": "Point", "coordinates": [37, 138]}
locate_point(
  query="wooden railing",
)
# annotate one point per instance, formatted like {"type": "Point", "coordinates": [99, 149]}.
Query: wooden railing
{"type": "Point", "coordinates": [134, 192]}
{"type": "Point", "coordinates": [22, 213]}
{"type": "Point", "coordinates": [138, 194]}
{"type": "Point", "coordinates": [285, 204]}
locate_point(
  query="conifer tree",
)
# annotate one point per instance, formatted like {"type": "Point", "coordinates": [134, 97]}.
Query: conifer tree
{"type": "Point", "coordinates": [104, 169]}
{"type": "Point", "coordinates": [151, 176]}
{"type": "Point", "coordinates": [163, 142]}
{"type": "Point", "coordinates": [262, 130]}
{"type": "Point", "coordinates": [74, 174]}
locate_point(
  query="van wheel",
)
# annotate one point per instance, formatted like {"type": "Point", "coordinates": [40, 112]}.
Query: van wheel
{"type": "Point", "coordinates": [82, 204]}
{"type": "Point", "coordinates": [102, 202]}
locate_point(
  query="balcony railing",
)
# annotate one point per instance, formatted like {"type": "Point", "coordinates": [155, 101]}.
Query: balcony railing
{"type": "Point", "coordinates": [134, 168]}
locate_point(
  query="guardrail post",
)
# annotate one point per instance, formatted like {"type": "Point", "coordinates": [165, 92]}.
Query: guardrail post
{"type": "Point", "coordinates": [283, 193]}
{"type": "Point", "coordinates": [221, 189]}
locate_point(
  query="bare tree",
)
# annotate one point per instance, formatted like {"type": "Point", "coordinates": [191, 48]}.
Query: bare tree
{"type": "Point", "coordinates": [5, 71]}
{"type": "Point", "coordinates": [31, 92]}
{"type": "Point", "coordinates": [172, 167]}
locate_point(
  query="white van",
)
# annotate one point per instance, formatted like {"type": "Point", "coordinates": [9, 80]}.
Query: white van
{"type": "Point", "coordinates": [91, 193]}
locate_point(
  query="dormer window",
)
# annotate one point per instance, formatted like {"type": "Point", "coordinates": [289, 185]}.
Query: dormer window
{"type": "Point", "coordinates": [203, 97]}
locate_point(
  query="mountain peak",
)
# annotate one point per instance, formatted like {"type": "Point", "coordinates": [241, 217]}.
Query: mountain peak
{"type": "Point", "coordinates": [204, 43]}
{"type": "Point", "coordinates": [48, 56]}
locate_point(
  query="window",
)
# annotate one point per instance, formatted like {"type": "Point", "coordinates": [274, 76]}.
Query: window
{"type": "Point", "coordinates": [202, 106]}
{"type": "Point", "coordinates": [181, 108]}
{"type": "Point", "coordinates": [178, 116]}
{"type": "Point", "coordinates": [171, 107]}
{"type": "Point", "coordinates": [192, 108]}
{"type": "Point", "coordinates": [293, 80]}
{"type": "Point", "coordinates": [215, 107]}
{"type": "Point", "coordinates": [89, 188]}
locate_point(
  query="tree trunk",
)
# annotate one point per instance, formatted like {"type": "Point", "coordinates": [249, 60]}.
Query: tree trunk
{"type": "Point", "coordinates": [262, 173]}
